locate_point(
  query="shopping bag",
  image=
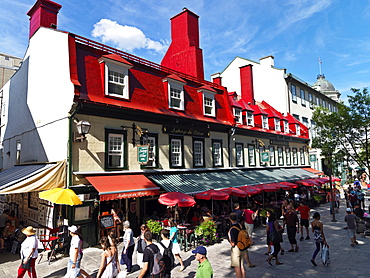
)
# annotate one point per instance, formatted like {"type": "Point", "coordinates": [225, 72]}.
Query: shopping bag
{"type": "Point", "coordinates": [122, 274]}
{"type": "Point", "coordinates": [325, 255]}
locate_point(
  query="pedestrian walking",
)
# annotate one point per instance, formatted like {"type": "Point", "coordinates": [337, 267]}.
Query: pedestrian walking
{"type": "Point", "coordinates": [237, 255]}
{"type": "Point", "coordinates": [128, 246]}
{"type": "Point", "coordinates": [140, 245]}
{"type": "Point", "coordinates": [75, 254]}
{"type": "Point", "coordinates": [28, 253]}
{"type": "Point", "coordinates": [275, 236]}
{"type": "Point", "coordinates": [304, 211]}
{"type": "Point", "coordinates": [109, 266]}
{"type": "Point", "coordinates": [238, 212]}
{"type": "Point", "coordinates": [249, 216]}
{"type": "Point", "coordinates": [292, 223]}
{"type": "Point", "coordinates": [148, 259]}
{"type": "Point", "coordinates": [319, 236]}
{"type": "Point", "coordinates": [204, 269]}
{"type": "Point", "coordinates": [351, 218]}
{"type": "Point", "coordinates": [166, 248]}
{"type": "Point", "coordinates": [176, 247]}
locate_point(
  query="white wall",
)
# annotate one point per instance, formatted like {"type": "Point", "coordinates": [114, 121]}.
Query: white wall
{"type": "Point", "coordinates": [38, 99]}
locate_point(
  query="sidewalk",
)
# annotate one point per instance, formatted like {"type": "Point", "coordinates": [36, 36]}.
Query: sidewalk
{"type": "Point", "coordinates": [346, 261]}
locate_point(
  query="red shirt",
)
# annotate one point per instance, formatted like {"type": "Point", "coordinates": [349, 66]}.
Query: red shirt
{"type": "Point", "coordinates": [304, 211]}
{"type": "Point", "coordinates": [248, 216]}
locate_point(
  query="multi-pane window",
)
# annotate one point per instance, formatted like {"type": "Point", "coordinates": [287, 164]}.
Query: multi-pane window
{"type": "Point", "coordinates": [288, 156]}
{"type": "Point", "coordinates": [305, 121]}
{"type": "Point", "coordinates": [239, 154]}
{"type": "Point", "coordinates": [265, 124]}
{"type": "Point", "coordinates": [238, 115]}
{"type": "Point", "coordinates": [176, 98]}
{"type": "Point", "coordinates": [217, 153]}
{"type": "Point", "coordinates": [208, 106]}
{"type": "Point", "coordinates": [330, 107]}
{"type": "Point", "coordinates": [115, 150]}
{"type": "Point", "coordinates": [286, 126]}
{"type": "Point", "coordinates": [303, 97]}
{"type": "Point", "coordinates": [297, 129]}
{"type": "Point", "coordinates": [176, 152]}
{"type": "Point", "coordinates": [250, 118]}
{"type": "Point", "coordinates": [295, 156]}
{"type": "Point", "coordinates": [251, 155]}
{"type": "Point", "coordinates": [18, 152]}
{"type": "Point", "coordinates": [301, 152]}
{"type": "Point", "coordinates": [152, 154]}
{"type": "Point", "coordinates": [335, 110]}
{"type": "Point", "coordinates": [313, 129]}
{"type": "Point", "coordinates": [296, 116]}
{"type": "Point", "coordinates": [280, 156]}
{"type": "Point", "coordinates": [277, 124]}
{"type": "Point", "coordinates": [318, 101]}
{"type": "Point", "coordinates": [294, 93]}
{"type": "Point", "coordinates": [310, 100]}
{"type": "Point", "coordinates": [116, 84]}
{"type": "Point", "coordinates": [198, 153]}
{"type": "Point", "coordinates": [272, 156]}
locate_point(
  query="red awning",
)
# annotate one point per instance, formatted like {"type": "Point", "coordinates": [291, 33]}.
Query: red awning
{"type": "Point", "coordinates": [123, 186]}
{"type": "Point", "coordinates": [314, 171]}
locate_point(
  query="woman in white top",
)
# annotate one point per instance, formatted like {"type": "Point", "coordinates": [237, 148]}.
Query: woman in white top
{"type": "Point", "coordinates": [29, 253]}
{"type": "Point", "coordinates": [128, 246]}
{"type": "Point", "coordinates": [109, 266]}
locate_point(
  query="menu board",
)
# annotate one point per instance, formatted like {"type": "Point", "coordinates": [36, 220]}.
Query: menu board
{"type": "Point", "coordinates": [106, 221]}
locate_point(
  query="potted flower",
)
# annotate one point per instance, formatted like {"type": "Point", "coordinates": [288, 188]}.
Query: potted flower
{"type": "Point", "coordinates": [206, 232]}
{"type": "Point", "coordinates": [154, 226]}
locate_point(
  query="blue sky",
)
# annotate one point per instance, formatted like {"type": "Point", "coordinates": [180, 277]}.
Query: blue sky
{"type": "Point", "coordinates": [295, 32]}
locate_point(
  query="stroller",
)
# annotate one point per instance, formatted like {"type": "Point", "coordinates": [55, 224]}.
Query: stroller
{"type": "Point", "coordinates": [367, 227]}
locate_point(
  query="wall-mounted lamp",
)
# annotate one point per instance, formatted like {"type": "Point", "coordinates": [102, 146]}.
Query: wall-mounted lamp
{"type": "Point", "coordinates": [96, 203]}
{"type": "Point", "coordinates": [141, 132]}
{"type": "Point", "coordinates": [83, 128]}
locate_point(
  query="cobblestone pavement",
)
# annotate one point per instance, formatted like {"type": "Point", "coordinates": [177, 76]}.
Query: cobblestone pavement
{"type": "Point", "coordinates": [346, 261]}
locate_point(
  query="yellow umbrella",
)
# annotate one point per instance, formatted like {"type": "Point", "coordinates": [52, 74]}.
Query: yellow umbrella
{"type": "Point", "coordinates": [62, 196]}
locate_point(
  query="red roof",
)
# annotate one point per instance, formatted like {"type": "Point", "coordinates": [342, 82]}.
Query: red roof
{"type": "Point", "coordinates": [117, 58]}
{"type": "Point", "coordinates": [233, 101]}
{"type": "Point", "coordinates": [245, 106]}
{"type": "Point", "coordinates": [258, 110]}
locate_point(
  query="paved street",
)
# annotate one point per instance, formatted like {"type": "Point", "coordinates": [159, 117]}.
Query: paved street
{"type": "Point", "coordinates": [346, 261]}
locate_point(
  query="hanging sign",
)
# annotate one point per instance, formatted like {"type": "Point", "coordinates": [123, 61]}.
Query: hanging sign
{"type": "Point", "coordinates": [312, 157]}
{"type": "Point", "coordinates": [142, 154]}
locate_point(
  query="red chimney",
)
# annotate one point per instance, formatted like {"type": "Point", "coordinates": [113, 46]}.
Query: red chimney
{"type": "Point", "coordinates": [43, 14]}
{"type": "Point", "coordinates": [184, 54]}
{"type": "Point", "coordinates": [246, 84]}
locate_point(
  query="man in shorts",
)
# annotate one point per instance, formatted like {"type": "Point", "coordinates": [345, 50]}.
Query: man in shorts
{"type": "Point", "coordinates": [351, 218]}
{"type": "Point", "coordinates": [237, 255]}
{"type": "Point", "coordinates": [304, 211]}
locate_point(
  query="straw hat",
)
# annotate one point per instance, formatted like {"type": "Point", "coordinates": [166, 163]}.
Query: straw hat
{"type": "Point", "coordinates": [29, 231]}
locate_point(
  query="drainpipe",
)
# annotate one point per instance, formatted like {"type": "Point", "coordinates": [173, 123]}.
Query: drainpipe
{"type": "Point", "coordinates": [74, 110]}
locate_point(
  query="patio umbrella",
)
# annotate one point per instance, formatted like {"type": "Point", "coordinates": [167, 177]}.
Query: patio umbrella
{"type": "Point", "coordinates": [282, 186]}
{"type": "Point", "coordinates": [61, 196]}
{"type": "Point", "coordinates": [321, 180]}
{"type": "Point", "coordinates": [290, 184]}
{"type": "Point", "coordinates": [270, 187]}
{"type": "Point", "coordinates": [251, 190]}
{"type": "Point", "coordinates": [335, 179]}
{"type": "Point", "coordinates": [176, 198]}
{"type": "Point", "coordinates": [305, 183]}
{"type": "Point", "coordinates": [212, 195]}
{"type": "Point", "coordinates": [239, 192]}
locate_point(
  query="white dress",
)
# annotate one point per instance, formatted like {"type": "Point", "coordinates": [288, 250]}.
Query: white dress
{"type": "Point", "coordinates": [111, 269]}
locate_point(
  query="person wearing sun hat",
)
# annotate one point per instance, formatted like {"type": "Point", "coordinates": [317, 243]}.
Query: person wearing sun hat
{"type": "Point", "coordinates": [204, 269]}
{"type": "Point", "coordinates": [28, 253]}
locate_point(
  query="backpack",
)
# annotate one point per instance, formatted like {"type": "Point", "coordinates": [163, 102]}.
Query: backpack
{"type": "Point", "coordinates": [158, 264]}
{"type": "Point", "coordinates": [243, 241]}
{"type": "Point", "coordinates": [168, 257]}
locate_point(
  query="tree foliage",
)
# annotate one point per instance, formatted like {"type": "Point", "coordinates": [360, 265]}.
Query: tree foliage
{"type": "Point", "coordinates": [345, 132]}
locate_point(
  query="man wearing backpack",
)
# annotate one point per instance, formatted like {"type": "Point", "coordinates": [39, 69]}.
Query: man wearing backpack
{"type": "Point", "coordinates": [165, 247]}
{"type": "Point", "coordinates": [237, 254]}
{"type": "Point", "coordinates": [153, 263]}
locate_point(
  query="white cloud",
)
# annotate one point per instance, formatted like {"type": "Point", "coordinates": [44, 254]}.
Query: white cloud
{"type": "Point", "coordinates": [127, 38]}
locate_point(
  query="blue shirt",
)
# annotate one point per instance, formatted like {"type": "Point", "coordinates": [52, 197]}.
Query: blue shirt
{"type": "Point", "coordinates": [173, 230]}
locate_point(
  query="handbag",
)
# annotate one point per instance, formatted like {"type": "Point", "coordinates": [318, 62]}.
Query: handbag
{"type": "Point", "coordinates": [121, 274]}
{"type": "Point", "coordinates": [26, 265]}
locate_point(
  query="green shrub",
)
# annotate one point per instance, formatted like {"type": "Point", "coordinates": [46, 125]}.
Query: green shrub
{"type": "Point", "coordinates": [154, 226]}
{"type": "Point", "coordinates": [206, 230]}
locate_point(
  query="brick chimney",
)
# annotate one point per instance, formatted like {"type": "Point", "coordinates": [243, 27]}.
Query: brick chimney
{"type": "Point", "coordinates": [43, 14]}
{"type": "Point", "coordinates": [184, 54]}
{"type": "Point", "coordinates": [246, 84]}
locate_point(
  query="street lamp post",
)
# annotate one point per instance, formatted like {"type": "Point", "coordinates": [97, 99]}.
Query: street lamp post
{"type": "Point", "coordinates": [329, 164]}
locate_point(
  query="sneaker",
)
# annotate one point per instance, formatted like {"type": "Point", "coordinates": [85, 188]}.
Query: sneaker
{"type": "Point", "coordinates": [356, 242]}
{"type": "Point", "coordinates": [313, 262]}
{"type": "Point", "coordinates": [302, 238]}
{"type": "Point", "coordinates": [307, 237]}
{"type": "Point", "coordinates": [182, 268]}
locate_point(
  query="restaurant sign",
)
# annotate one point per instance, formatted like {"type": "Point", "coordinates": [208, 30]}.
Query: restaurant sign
{"type": "Point", "coordinates": [265, 157]}
{"type": "Point", "coordinates": [142, 154]}
{"type": "Point", "coordinates": [279, 142]}
{"type": "Point", "coordinates": [185, 131]}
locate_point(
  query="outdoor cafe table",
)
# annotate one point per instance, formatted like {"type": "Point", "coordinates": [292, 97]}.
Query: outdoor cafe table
{"type": "Point", "coordinates": [186, 232]}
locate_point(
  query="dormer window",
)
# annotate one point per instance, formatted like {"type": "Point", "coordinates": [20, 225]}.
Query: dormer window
{"type": "Point", "coordinates": [116, 76]}
{"type": "Point", "coordinates": [209, 106]}
{"type": "Point", "coordinates": [286, 127]}
{"type": "Point", "coordinates": [175, 88]}
{"type": "Point", "coordinates": [238, 115]}
{"type": "Point", "coordinates": [277, 124]}
{"type": "Point", "coordinates": [250, 120]}
{"type": "Point", "coordinates": [265, 124]}
{"type": "Point", "coordinates": [297, 129]}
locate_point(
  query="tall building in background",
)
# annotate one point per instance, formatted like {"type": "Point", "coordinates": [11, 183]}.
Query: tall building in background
{"type": "Point", "coordinates": [8, 66]}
